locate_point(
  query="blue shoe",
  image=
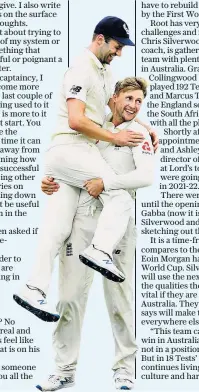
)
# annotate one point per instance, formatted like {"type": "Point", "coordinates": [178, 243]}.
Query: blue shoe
{"type": "Point", "coordinates": [102, 263]}
{"type": "Point", "coordinates": [123, 380]}
{"type": "Point", "coordinates": [33, 299]}
{"type": "Point", "coordinates": [55, 382]}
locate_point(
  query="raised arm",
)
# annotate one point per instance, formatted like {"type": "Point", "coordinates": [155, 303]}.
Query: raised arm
{"type": "Point", "coordinates": [75, 89]}
{"type": "Point", "coordinates": [81, 123]}
{"type": "Point", "coordinates": [142, 176]}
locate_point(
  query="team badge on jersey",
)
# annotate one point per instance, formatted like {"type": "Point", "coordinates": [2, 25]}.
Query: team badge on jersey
{"type": "Point", "coordinates": [146, 149]}
{"type": "Point", "coordinates": [75, 89]}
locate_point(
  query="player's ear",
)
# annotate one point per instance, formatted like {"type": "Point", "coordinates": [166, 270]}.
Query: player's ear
{"type": "Point", "coordinates": [100, 39]}
{"type": "Point", "coordinates": [114, 97]}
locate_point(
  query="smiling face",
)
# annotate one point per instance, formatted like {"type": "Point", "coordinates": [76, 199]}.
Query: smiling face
{"type": "Point", "coordinates": [127, 105]}
{"type": "Point", "coordinates": [108, 50]}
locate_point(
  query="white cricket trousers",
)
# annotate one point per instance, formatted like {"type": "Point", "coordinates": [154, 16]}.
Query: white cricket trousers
{"type": "Point", "coordinates": [72, 160]}
{"type": "Point", "coordinates": [74, 283]}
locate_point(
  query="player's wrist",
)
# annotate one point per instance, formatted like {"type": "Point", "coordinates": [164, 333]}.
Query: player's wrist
{"type": "Point", "coordinates": [115, 138]}
{"type": "Point", "coordinates": [111, 137]}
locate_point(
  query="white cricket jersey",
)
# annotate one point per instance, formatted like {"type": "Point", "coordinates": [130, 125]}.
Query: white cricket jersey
{"type": "Point", "coordinates": [89, 81]}
{"type": "Point", "coordinates": [133, 165]}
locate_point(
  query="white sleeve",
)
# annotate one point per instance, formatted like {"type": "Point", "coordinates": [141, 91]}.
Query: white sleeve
{"type": "Point", "coordinates": [76, 84]}
{"type": "Point", "coordinates": [112, 83]}
{"type": "Point", "coordinates": [143, 175]}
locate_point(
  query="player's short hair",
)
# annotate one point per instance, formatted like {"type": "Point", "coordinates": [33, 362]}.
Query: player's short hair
{"type": "Point", "coordinates": [131, 84]}
{"type": "Point", "coordinates": [106, 38]}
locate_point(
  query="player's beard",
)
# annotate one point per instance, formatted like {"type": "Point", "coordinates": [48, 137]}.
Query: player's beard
{"type": "Point", "coordinates": [109, 58]}
{"type": "Point", "coordinates": [125, 115]}
{"type": "Point", "coordinates": [106, 58]}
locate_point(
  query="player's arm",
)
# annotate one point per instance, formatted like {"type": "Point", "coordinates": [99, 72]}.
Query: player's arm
{"type": "Point", "coordinates": [141, 177]}
{"type": "Point", "coordinates": [81, 123]}
{"type": "Point", "coordinates": [75, 89]}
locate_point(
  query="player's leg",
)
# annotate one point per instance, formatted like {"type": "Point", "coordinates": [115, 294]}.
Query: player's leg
{"type": "Point", "coordinates": [74, 283]}
{"type": "Point", "coordinates": [76, 162]}
{"type": "Point", "coordinates": [57, 224]}
{"type": "Point", "coordinates": [71, 165]}
{"type": "Point", "coordinates": [119, 299]}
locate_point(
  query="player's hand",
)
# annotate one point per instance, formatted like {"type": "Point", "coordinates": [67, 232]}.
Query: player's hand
{"type": "Point", "coordinates": [128, 138]}
{"type": "Point", "coordinates": [152, 133]}
{"type": "Point", "coordinates": [155, 139]}
{"type": "Point", "coordinates": [48, 186]}
{"type": "Point", "coordinates": [94, 187]}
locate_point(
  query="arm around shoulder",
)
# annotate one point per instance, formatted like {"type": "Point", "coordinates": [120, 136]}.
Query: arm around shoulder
{"type": "Point", "coordinates": [142, 175]}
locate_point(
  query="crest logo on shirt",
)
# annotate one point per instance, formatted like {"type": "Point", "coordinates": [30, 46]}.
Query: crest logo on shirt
{"type": "Point", "coordinates": [75, 89]}
{"type": "Point", "coordinates": [146, 146]}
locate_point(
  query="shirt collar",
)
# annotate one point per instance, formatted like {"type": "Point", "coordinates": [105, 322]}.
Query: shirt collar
{"type": "Point", "coordinates": [125, 124]}
{"type": "Point", "coordinates": [109, 117]}
{"type": "Point", "coordinates": [95, 60]}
